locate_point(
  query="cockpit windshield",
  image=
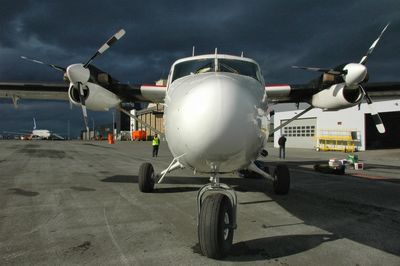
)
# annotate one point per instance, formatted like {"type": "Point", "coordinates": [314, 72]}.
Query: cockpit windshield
{"type": "Point", "coordinates": [199, 66]}
{"type": "Point", "coordinates": [193, 67]}
{"type": "Point", "coordinates": [239, 67]}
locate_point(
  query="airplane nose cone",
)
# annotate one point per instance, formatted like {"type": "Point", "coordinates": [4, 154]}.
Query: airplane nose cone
{"type": "Point", "coordinates": [213, 117]}
{"type": "Point", "coordinates": [215, 121]}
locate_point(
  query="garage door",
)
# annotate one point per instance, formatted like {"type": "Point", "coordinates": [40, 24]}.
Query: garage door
{"type": "Point", "coordinates": [300, 133]}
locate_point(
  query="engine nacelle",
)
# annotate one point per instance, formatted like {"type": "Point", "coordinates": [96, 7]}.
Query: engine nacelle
{"type": "Point", "coordinates": [336, 97]}
{"type": "Point", "coordinates": [97, 98]}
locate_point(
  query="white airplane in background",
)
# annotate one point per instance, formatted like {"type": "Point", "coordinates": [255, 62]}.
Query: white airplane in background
{"type": "Point", "coordinates": [36, 133]}
{"type": "Point", "coordinates": [216, 120]}
{"type": "Point", "coordinates": [40, 133]}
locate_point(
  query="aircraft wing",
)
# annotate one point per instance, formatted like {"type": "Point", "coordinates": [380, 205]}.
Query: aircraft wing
{"type": "Point", "coordinates": [285, 93]}
{"type": "Point", "coordinates": [383, 89]}
{"type": "Point", "coordinates": [17, 133]}
{"type": "Point", "coordinates": [59, 91]}
{"type": "Point", "coordinates": [36, 91]}
{"type": "Point", "coordinates": [142, 93]}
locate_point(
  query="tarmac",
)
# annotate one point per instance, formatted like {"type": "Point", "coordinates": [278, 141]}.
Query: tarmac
{"type": "Point", "coordinates": [78, 203]}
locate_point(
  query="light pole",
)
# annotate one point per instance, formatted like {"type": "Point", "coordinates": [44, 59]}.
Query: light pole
{"type": "Point", "coordinates": [94, 133]}
{"type": "Point", "coordinates": [113, 125]}
{"type": "Point", "coordinates": [68, 129]}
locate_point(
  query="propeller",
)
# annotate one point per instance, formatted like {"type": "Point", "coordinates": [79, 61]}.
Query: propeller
{"type": "Point", "coordinates": [79, 74]}
{"type": "Point", "coordinates": [375, 115]}
{"type": "Point", "coordinates": [82, 100]}
{"type": "Point", "coordinates": [353, 75]}
{"type": "Point", "coordinates": [43, 63]}
{"type": "Point", "coordinates": [106, 45]}
{"type": "Point", "coordinates": [324, 70]}
{"type": "Point", "coordinates": [363, 60]}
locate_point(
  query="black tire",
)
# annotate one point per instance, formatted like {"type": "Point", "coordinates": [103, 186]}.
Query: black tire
{"type": "Point", "coordinates": [281, 179]}
{"type": "Point", "coordinates": [215, 229]}
{"type": "Point", "coordinates": [146, 178]}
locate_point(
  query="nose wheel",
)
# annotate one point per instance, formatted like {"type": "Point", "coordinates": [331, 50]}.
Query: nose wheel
{"type": "Point", "coordinates": [215, 228]}
{"type": "Point", "coordinates": [216, 219]}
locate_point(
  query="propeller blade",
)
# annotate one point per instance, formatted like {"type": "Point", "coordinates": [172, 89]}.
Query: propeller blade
{"type": "Point", "coordinates": [84, 111]}
{"type": "Point", "coordinates": [107, 45]}
{"type": "Point", "coordinates": [324, 70]}
{"type": "Point", "coordinates": [375, 115]}
{"type": "Point", "coordinates": [43, 63]}
{"type": "Point", "coordinates": [371, 49]}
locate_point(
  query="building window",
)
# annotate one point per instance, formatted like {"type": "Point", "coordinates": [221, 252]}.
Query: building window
{"type": "Point", "coordinates": [299, 131]}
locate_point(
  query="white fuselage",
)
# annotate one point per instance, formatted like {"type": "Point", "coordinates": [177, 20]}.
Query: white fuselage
{"type": "Point", "coordinates": [212, 119]}
{"type": "Point", "coordinates": [41, 133]}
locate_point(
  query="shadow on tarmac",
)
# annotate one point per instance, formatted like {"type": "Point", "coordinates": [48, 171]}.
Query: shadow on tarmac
{"type": "Point", "coordinates": [134, 179]}
{"type": "Point", "coordinates": [239, 184]}
{"type": "Point", "coordinates": [369, 225]}
{"type": "Point", "coordinates": [276, 247]}
{"type": "Point", "coordinates": [23, 192]}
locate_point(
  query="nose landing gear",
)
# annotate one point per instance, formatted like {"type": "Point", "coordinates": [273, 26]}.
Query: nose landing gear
{"type": "Point", "coordinates": [216, 218]}
{"type": "Point", "coordinates": [216, 204]}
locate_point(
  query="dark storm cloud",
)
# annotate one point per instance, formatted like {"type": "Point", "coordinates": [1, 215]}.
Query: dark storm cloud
{"type": "Point", "coordinates": [278, 34]}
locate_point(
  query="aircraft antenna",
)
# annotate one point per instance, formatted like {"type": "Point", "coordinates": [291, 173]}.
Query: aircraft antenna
{"type": "Point", "coordinates": [215, 60]}
{"type": "Point", "coordinates": [193, 49]}
{"type": "Point", "coordinates": [241, 54]}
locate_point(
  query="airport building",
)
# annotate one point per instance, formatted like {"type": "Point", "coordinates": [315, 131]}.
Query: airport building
{"type": "Point", "coordinates": [151, 114]}
{"type": "Point", "coordinates": [348, 130]}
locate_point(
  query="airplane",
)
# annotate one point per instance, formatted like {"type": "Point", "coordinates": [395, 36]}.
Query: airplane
{"type": "Point", "coordinates": [40, 133]}
{"type": "Point", "coordinates": [225, 93]}
{"type": "Point", "coordinates": [37, 134]}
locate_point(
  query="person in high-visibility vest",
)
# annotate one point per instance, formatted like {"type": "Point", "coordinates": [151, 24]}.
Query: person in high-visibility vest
{"type": "Point", "coordinates": [156, 144]}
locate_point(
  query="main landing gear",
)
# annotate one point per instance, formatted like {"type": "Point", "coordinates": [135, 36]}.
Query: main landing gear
{"type": "Point", "coordinates": [146, 178]}
{"type": "Point", "coordinates": [280, 177]}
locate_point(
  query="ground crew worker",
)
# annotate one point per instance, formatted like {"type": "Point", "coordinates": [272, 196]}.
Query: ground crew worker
{"type": "Point", "coordinates": [282, 142]}
{"type": "Point", "coordinates": [156, 143]}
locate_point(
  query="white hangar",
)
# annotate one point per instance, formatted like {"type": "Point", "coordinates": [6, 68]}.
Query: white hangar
{"type": "Point", "coordinates": [348, 130]}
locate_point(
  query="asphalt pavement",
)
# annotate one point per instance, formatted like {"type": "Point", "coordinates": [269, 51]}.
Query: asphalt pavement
{"type": "Point", "coordinates": [78, 203]}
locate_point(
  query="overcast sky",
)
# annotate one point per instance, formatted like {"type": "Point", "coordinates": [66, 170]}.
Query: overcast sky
{"type": "Point", "coordinates": [277, 34]}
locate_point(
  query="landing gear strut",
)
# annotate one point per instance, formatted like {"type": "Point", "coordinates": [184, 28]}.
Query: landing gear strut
{"type": "Point", "coordinates": [216, 218]}
{"type": "Point", "coordinates": [280, 177]}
